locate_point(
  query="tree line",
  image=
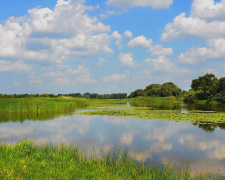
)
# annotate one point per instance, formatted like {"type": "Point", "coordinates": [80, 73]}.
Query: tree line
{"type": "Point", "coordinates": [85, 95]}
{"type": "Point", "coordinates": [207, 87]}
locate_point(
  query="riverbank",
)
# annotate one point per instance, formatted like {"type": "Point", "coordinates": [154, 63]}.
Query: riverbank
{"type": "Point", "coordinates": [28, 160]}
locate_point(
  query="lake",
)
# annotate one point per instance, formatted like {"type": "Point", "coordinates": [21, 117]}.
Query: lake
{"type": "Point", "coordinates": [155, 141]}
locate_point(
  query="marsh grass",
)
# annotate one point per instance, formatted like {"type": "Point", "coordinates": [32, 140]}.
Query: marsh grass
{"type": "Point", "coordinates": [12, 105]}
{"type": "Point", "coordinates": [28, 160]}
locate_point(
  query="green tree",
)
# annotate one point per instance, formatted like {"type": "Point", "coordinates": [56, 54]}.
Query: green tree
{"type": "Point", "coordinates": [189, 97]}
{"type": "Point", "coordinates": [169, 89]}
{"type": "Point", "coordinates": [205, 86]}
{"type": "Point", "coordinates": [138, 92]}
{"type": "Point", "coordinates": [152, 90]}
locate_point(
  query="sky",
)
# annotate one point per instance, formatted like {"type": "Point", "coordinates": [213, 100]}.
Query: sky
{"type": "Point", "coordinates": [108, 46]}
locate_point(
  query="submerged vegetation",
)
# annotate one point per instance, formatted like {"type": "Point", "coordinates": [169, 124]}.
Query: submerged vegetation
{"type": "Point", "coordinates": [27, 160]}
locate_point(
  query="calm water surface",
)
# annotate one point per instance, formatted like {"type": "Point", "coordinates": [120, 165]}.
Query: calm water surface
{"type": "Point", "coordinates": [149, 140]}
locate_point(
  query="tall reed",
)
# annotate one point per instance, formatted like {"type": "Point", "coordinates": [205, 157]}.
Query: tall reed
{"type": "Point", "coordinates": [40, 104]}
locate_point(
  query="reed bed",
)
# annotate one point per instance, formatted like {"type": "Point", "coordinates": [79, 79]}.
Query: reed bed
{"type": "Point", "coordinates": [11, 105]}
{"type": "Point", "coordinates": [28, 160]}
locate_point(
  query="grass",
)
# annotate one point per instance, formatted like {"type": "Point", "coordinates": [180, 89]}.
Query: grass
{"type": "Point", "coordinates": [27, 160]}
{"type": "Point", "coordinates": [11, 105]}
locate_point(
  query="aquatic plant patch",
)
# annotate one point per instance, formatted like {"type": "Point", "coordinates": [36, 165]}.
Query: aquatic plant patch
{"type": "Point", "coordinates": [151, 113]}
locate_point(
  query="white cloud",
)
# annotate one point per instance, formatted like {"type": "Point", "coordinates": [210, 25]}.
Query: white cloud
{"type": "Point", "coordinates": [68, 17]}
{"type": "Point", "coordinates": [216, 50]}
{"type": "Point", "coordinates": [160, 64]}
{"type": "Point", "coordinates": [164, 64]}
{"type": "Point", "coordinates": [143, 42]}
{"type": "Point", "coordinates": [36, 81]}
{"type": "Point", "coordinates": [102, 61]}
{"type": "Point", "coordinates": [65, 75]}
{"type": "Point", "coordinates": [208, 9]}
{"type": "Point", "coordinates": [140, 42]}
{"type": "Point", "coordinates": [85, 78]}
{"type": "Point", "coordinates": [127, 60]}
{"type": "Point", "coordinates": [128, 34]}
{"type": "Point", "coordinates": [15, 66]}
{"type": "Point", "coordinates": [125, 4]}
{"type": "Point", "coordinates": [116, 35]}
{"type": "Point", "coordinates": [56, 34]}
{"type": "Point", "coordinates": [206, 21]}
{"type": "Point", "coordinates": [159, 50]}
{"type": "Point", "coordinates": [80, 70]}
{"type": "Point", "coordinates": [209, 70]}
{"type": "Point", "coordinates": [116, 77]}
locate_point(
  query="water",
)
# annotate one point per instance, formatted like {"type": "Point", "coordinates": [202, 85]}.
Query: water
{"type": "Point", "coordinates": [202, 145]}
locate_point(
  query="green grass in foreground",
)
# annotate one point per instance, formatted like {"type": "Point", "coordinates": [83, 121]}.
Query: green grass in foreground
{"type": "Point", "coordinates": [40, 104]}
{"type": "Point", "coordinates": [26, 160]}
{"type": "Point", "coordinates": [149, 113]}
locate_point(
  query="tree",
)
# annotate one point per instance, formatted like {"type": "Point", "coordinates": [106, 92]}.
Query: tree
{"type": "Point", "coordinates": [152, 90]}
{"type": "Point", "coordinates": [169, 89]}
{"type": "Point", "coordinates": [205, 86]}
{"type": "Point", "coordinates": [189, 97]}
{"type": "Point", "coordinates": [221, 85]}
{"type": "Point", "coordinates": [138, 92]}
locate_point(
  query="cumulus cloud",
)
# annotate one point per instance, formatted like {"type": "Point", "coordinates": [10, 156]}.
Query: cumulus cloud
{"type": "Point", "coordinates": [140, 42]}
{"type": "Point", "coordinates": [163, 63]}
{"type": "Point", "coordinates": [216, 50]}
{"type": "Point", "coordinates": [15, 66]}
{"type": "Point", "coordinates": [143, 42]}
{"type": "Point", "coordinates": [102, 61]}
{"type": "Point", "coordinates": [125, 4]}
{"type": "Point", "coordinates": [65, 75]}
{"type": "Point", "coordinates": [209, 70]}
{"type": "Point", "coordinates": [116, 35]}
{"type": "Point", "coordinates": [208, 9]}
{"type": "Point", "coordinates": [128, 34]}
{"type": "Point", "coordinates": [54, 35]}
{"type": "Point", "coordinates": [127, 60]}
{"type": "Point", "coordinates": [36, 81]}
{"type": "Point", "coordinates": [206, 20]}
{"type": "Point", "coordinates": [184, 27]}
{"type": "Point", "coordinates": [116, 77]}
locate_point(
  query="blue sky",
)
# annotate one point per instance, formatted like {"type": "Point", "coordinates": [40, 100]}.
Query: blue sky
{"type": "Point", "coordinates": [108, 46]}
